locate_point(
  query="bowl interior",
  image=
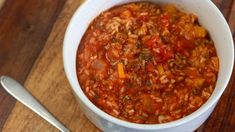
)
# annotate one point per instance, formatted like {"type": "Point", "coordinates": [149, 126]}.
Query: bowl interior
{"type": "Point", "coordinates": [209, 17]}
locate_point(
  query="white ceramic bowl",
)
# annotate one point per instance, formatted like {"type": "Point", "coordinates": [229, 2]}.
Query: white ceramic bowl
{"type": "Point", "coordinates": [209, 17]}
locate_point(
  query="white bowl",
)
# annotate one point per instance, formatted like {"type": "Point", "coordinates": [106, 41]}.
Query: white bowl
{"type": "Point", "coordinates": [209, 17]}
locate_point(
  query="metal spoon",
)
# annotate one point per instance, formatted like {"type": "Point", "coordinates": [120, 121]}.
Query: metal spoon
{"type": "Point", "coordinates": [21, 94]}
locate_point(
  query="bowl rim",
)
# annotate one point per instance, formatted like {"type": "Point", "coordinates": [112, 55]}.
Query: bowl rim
{"type": "Point", "coordinates": [208, 104]}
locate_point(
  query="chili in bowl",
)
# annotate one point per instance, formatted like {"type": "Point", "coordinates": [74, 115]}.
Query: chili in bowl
{"type": "Point", "coordinates": [148, 66]}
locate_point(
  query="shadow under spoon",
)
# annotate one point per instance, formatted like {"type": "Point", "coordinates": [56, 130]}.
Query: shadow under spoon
{"type": "Point", "coordinates": [21, 94]}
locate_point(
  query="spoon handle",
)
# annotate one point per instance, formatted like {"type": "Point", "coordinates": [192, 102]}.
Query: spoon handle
{"type": "Point", "coordinates": [21, 94]}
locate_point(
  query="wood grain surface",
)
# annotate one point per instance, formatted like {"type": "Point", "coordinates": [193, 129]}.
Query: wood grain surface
{"type": "Point", "coordinates": [31, 38]}
{"type": "Point", "coordinates": [53, 93]}
{"type": "Point", "coordinates": [24, 29]}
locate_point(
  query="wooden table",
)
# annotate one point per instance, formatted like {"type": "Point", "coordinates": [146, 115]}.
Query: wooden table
{"type": "Point", "coordinates": [31, 38]}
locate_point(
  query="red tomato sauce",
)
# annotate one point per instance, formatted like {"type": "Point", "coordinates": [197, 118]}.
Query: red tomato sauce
{"type": "Point", "coordinates": [146, 63]}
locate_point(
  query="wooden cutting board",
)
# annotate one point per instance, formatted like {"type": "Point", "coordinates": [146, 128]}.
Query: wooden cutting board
{"type": "Point", "coordinates": [47, 82]}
